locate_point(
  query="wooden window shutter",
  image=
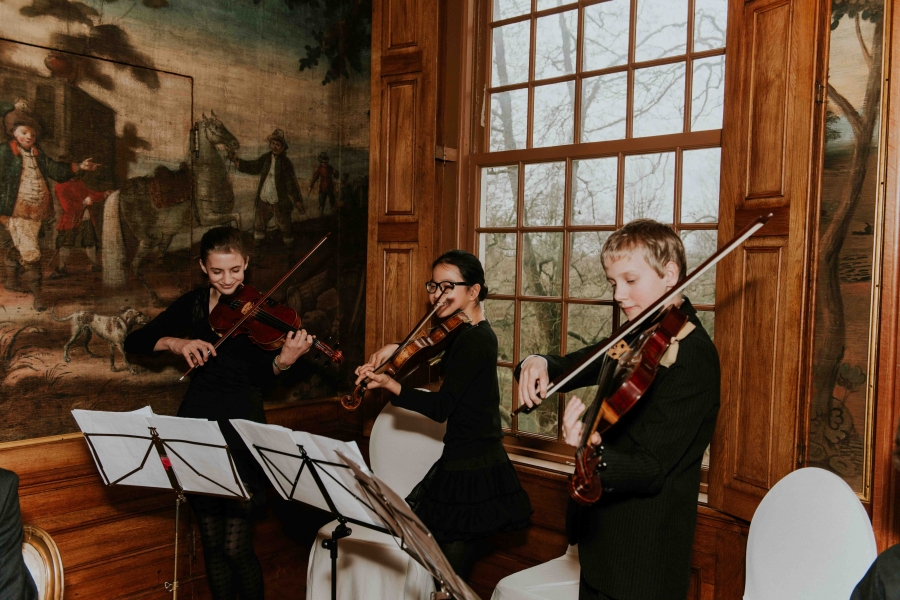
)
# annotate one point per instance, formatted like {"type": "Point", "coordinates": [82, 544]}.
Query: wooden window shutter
{"type": "Point", "coordinates": [771, 127]}
{"type": "Point", "coordinates": [402, 168]}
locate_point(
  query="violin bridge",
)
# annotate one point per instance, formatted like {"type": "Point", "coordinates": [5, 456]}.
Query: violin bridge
{"type": "Point", "coordinates": [618, 350]}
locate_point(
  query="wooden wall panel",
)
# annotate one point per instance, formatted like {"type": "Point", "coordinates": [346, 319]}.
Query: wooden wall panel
{"type": "Point", "coordinates": [401, 28]}
{"type": "Point", "coordinates": [398, 289]}
{"type": "Point", "coordinates": [770, 28]}
{"type": "Point", "coordinates": [771, 138]}
{"type": "Point", "coordinates": [401, 108]}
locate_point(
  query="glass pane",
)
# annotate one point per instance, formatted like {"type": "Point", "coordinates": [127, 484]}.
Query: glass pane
{"type": "Point", "coordinates": [710, 20]}
{"type": "Point", "coordinates": [594, 191]}
{"type": "Point", "coordinates": [587, 325]}
{"type": "Point", "coordinates": [509, 120]}
{"type": "Point", "coordinates": [499, 191]}
{"type": "Point", "coordinates": [606, 27]}
{"type": "Point", "coordinates": [498, 255]}
{"type": "Point", "coordinates": [539, 331]}
{"type": "Point", "coordinates": [542, 421]}
{"type": "Point", "coordinates": [661, 29]}
{"type": "Point", "coordinates": [708, 320]}
{"type": "Point", "coordinates": [510, 60]}
{"type": "Point", "coordinates": [604, 105]}
{"type": "Point", "coordinates": [505, 9]}
{"type": "Point", "coordinates": [501, 314]}
{"type": "Point", "coordinates": [505, 378]}
{"type": "Point", "coordinates": [542, 263]}
{"type": "Point", "coordinates": [650, 187]}
{"type": "Point", "coordinates": [659, 100]}
{"type": "Point", "coordinates": [554, 108]}
{"type": "Point", "coordinates": [587, 278]}
{"type": "Point", "coordinates": [556, 39]}
{"type": "Point", "coordinates": [545, 191]}
{"type": "Point", "coordinates": [700, 185]}
{"type": "Point", "coordinates": [698, 246]}
{"type": "Point", "coordinates": [545, 4]}
{"type": "Point", "coordinates": [708, 93]}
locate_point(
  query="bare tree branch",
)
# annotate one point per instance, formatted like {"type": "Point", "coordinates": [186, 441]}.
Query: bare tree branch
{"type": "Point", "coordinates": [855, 120]}
{"type": "Point", "coordinates": [862, 43]}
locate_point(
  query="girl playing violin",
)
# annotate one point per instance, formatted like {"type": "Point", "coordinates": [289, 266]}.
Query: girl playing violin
{"type": "Point", "coordinates": [635, 542]}
{"type": "Point", "coordinates": [472, 490]}
{"type": "Point", "coordinates": [228, 384]}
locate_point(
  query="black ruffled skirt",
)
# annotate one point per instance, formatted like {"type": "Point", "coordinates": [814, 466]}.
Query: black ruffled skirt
{"type": "Point", "coordinates": [469, 499]}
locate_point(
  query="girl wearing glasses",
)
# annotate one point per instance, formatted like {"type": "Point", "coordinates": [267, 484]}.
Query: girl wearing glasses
{"type": "Point", "coordinates": [472, 491]}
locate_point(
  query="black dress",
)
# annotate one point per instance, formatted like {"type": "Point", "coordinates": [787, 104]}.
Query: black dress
{"type": "Point", "coordinates": [229, 386]}
{"type": "Point", "coordinates": [472, 491]}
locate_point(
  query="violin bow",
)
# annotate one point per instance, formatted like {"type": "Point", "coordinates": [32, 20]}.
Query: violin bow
{"type": "Point", "coordinates": [412, 334]}
{"type": "Point", "coordinates": [259, 303]}
{"type": "Point", "coordinates": [651, 310]}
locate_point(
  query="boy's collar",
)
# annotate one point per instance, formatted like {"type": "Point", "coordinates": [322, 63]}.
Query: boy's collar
{"type": "Point", "coordinates": [17, 151]}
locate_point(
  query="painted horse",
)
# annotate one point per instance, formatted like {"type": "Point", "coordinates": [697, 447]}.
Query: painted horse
{"type": "Point", "coordinates": [155, 208]}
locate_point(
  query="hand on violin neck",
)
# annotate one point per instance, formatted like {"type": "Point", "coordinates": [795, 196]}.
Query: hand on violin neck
{"type": "Point", "coordinates": [572, 425]}
{"type": "Point", "coordinates": [195, 352]}
{"type": "Point", "coordinates": [376, 381]}
{"type": "Point", "coordinates": [533, 381]}
{"type": "Point", "coordinates": [379, 357]}
{"type": "Point", "coordinates": [296, 344]}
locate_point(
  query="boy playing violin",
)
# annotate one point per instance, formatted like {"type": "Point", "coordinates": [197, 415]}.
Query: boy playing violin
{"type": "Point", "coordinates": [635, 542]}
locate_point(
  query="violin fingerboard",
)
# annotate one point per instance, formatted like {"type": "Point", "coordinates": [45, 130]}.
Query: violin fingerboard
{"type": "Point", "coordinates": [618, 350]}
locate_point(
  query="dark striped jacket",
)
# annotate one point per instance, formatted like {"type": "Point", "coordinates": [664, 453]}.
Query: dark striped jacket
{"type": "Point", "coordinates": [635, 542]}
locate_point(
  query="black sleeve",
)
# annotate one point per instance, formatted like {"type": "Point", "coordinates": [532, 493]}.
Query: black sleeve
{"type": "Point", "coordinates": [557, 365]}
{"type": "Point", "coordinates": [468, 357]}
{"type": "Point", "coordinates": [292, 185]}
{"type": "Point", "coordinates": [15, 581]}
{"type": "Point", "coordinates": [681, 398]}
{"type": "Point", "coordinates": [175, 321]}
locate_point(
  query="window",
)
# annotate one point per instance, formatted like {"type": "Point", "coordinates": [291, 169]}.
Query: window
{"type": "Point", "coordinates": [595, 114]}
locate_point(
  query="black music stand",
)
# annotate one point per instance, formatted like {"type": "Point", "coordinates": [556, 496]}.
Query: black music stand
{"type": "Point", "coordinates": [285, 455]}
{"type": "Point", "coordinates": [414, 537]}
{"type": "Point", "coordinates": [118, 442]}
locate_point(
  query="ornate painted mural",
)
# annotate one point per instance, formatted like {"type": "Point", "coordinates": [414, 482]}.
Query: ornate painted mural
{"type": "Point", "coordinates": [169, 105]}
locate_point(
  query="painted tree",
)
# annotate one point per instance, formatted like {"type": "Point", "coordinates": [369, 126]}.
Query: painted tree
{"type": "Point", "coordinates": [831, 335]}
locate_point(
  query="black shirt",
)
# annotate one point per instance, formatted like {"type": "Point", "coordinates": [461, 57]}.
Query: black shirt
{"type": "Point", "coordinates": [469, 398]}
{"type": "Point", "coordinates": [230, 384]}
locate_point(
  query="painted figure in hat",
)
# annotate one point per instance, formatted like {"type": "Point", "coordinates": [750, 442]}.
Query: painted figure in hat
{"type": "Point", "coordinates": [21, 113]}
{"type": "Point", "coordinates": [325, 174]}
{"type": "Point", "coordinates": [25, 203]}
{"type": "Point", "coordinates": [278, 190]}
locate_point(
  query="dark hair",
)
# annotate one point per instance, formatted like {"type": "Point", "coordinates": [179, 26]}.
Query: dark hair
{"type": "Point", "coordinates": [469, 267]}
{"type": "Point", "coordinates": [222, 240]}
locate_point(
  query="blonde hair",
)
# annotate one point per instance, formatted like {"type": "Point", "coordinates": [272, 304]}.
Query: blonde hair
{"type": "Point", "coordinates": [658, 242]}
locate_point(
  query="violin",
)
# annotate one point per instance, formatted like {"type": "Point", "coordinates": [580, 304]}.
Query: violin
{"type": "Point", "coordinates": [414, 352]}
{"type": "Point", "coordinates": [584, 484]}
{"type": "Point", "coordinates": [249, 309]}
{"type": "Point", "coordinates": [269, 322]}
{"type": "Point", "coordinates": [620, 388]}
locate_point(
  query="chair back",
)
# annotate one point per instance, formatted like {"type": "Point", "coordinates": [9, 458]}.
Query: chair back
{"type": "Point", "coordinates": [810, 539]}
{"type": "Point", "coordinates": [44, 563]}
{"type": "Point", "coordinates": [403, 446]}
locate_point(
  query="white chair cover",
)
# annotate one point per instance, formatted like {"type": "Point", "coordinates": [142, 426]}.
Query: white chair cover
{"type": "Point", "coordinates": [554, 580]}
{"type": "Point", "coordinates": [402, 448]}
{"type": "Point", "coordinates": [810, 539]}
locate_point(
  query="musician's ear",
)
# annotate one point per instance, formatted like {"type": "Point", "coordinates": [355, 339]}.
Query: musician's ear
{"type": "Point", "coordinates": [671, 273]}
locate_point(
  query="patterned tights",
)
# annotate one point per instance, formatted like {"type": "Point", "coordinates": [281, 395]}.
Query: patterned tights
{"type": "Point", "coordinates": [225, 530]}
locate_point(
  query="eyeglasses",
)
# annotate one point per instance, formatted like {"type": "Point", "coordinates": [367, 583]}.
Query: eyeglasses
{"type": "Point", "coordinates": [445, 286]}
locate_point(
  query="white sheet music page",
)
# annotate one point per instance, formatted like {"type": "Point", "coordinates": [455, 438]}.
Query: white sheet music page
{"type": "Point", "coordinates": [200, 462]}
{"type": "Point", "coordinates": [114, 455]}
{"type": "Point", "coordinates": [340, 483]}
{"type": "Point", "coordinates": [274, 448]}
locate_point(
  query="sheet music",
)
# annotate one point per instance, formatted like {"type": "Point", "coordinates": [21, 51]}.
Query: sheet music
{"type": "Point", "coordinates": [116, 456]}
{"type": "Point", "coordinates": [190, 459]}
{"type": "Point", "coordinates": [403, 523]}
{"type": "Point", "coordinates": [276, 450]}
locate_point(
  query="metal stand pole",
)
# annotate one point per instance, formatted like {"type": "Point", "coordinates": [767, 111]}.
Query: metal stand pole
{"type": "Point", "coordinates": [341, 531]}
{"type": "Point", "coordinates": [173, 586]}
